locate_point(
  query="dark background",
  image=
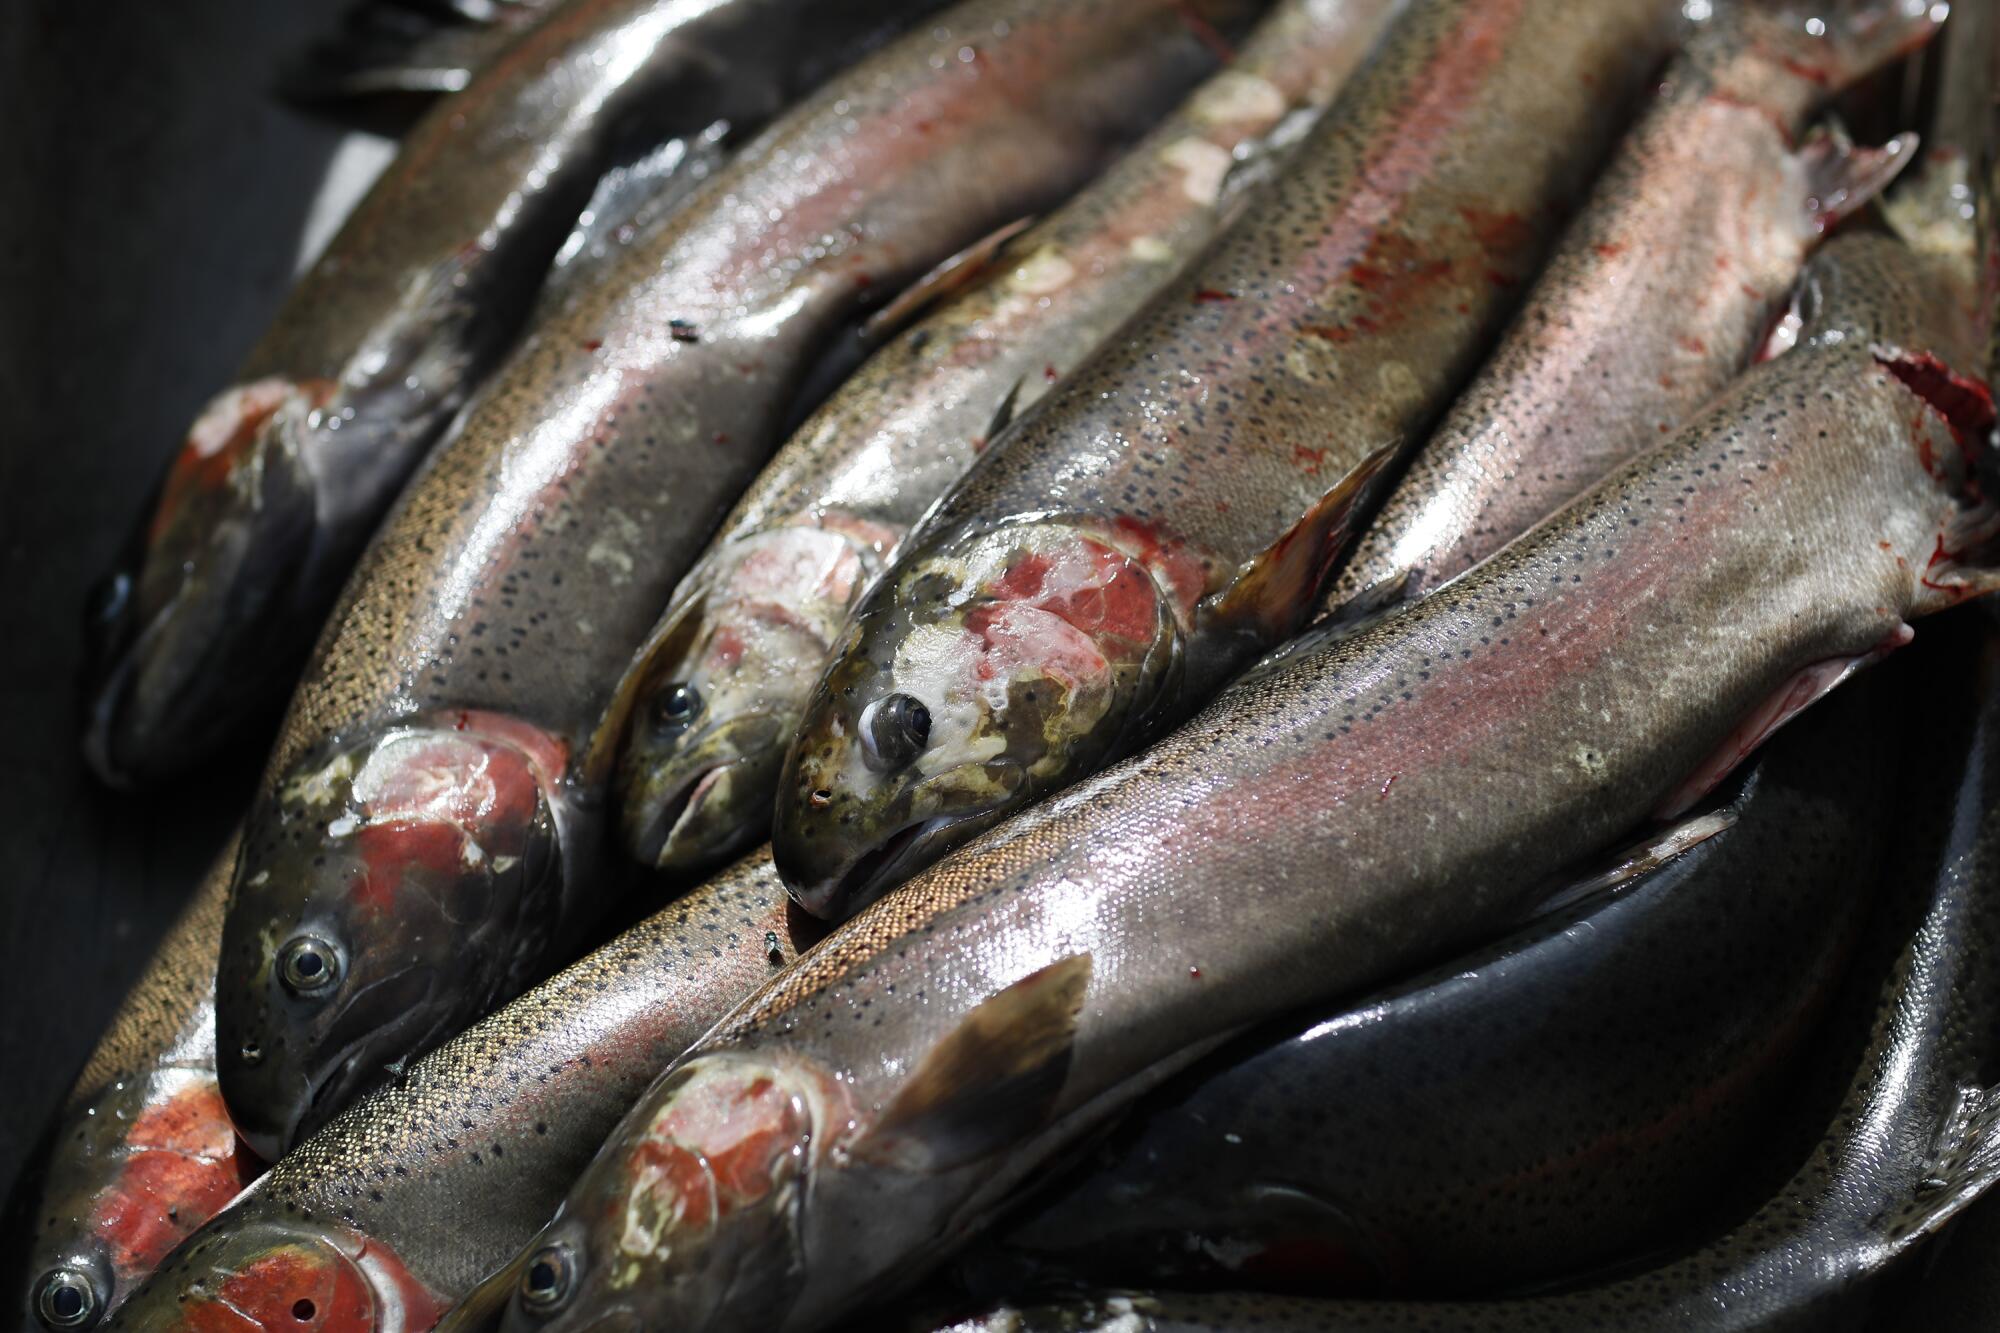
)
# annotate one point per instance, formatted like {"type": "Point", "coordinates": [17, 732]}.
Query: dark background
{"type": "Point", "coordinates": [154, 199]}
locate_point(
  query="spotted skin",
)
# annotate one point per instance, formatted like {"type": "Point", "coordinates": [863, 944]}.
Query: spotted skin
{"type": "Point", "coordinates": [144, 1152]}
{"type": "Point", "coordinates": [497, 608]}
{"type": "Point", "coordinates": [452, 1167]}
{"type": "Point", "coordinates": [750, 628]}
{"type": "Point", "coordinates": [1905, 1140]}
{"type": "Point", "coordinates": [1330, 326]}
{"type": "Point", "coordinates": [266, 506]}
{"type": "Point", "coordinates": [1656, 297]}
{"type": "Point", "coordinates": [1354, 807]}
{"type": "Point", "coordinates": [1575, 1094]}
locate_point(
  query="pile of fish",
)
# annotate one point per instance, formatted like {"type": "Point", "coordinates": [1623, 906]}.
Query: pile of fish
{"type": "Point", "coordinates": [1173, 605]}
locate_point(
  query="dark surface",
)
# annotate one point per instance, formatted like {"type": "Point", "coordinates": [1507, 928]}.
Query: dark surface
{"type": "Point", "coordinates": [156, 193]}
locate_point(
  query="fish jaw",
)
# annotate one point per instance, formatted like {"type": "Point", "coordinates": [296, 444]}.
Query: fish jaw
{"type": "Point", "coordinates": [427, 847]}
{"type": "Point", "coordinates": [168, 666]}
{"type": "Point", "coordinates": [694, 1205]}
{"type": "Point", "coordinates": [1035, 651]}
{"type": "Point", "coordinates": [720, 687]}
{"type": "Point", "coordinates": [293, 1276]}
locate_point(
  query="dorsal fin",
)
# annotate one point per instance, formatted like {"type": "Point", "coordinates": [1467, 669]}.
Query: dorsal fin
{"type": "Point", "coordinates": [992, 1081]}
{"type": "Point", "coordinates": [953, 274]}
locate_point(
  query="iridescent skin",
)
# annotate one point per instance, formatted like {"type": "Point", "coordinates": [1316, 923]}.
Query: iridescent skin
{"type": "Point", "coordinates": [144, 1152]}
{"type": "Point", "coordinates": [1906, 1140]}
{"type": "Point", "coordinates": [1078, 591]}
{"type": "Point", "coordinates": [430, 834]}
{"type": "Point", "coordinates": [264, 509]}
{"type": "Point", "coordinates": [1656, 297]}
{"type": "Point", "coordinates": [1575, 1094]}
{"type": "Point", "coordinates": [1352, 808]}
{"type": "Point", "coordinates": [445, 1172]}
{"type": "Point", "coordinates": [723, 680]}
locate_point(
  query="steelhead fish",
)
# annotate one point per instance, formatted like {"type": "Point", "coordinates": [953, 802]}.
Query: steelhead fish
{"type": "Point", "coordinates": [1139, 537]}
{"type": "Point", "coordinates": [262, 512]}
{"type": "Point", "coordinates": [429, 838]}
{"type": "Point", "coordinates": [1360, 804]}
{"type": "Point", "coordinates": [399, 1204]}
{"type": "Point", "coordinates": [144, 1152]}
{"type": "Point", "coordinates": [724, 676]}
{"type": "Point", "coordinates": [1656, 297]}
{"type": "Point", "coordinates": [1578, 1093]}
{"type": "Point", "coordinates": [1909, 1137]}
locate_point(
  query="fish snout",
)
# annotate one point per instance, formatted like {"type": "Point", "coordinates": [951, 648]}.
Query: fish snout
{"type": "Point", "coordinates": [690, 802]}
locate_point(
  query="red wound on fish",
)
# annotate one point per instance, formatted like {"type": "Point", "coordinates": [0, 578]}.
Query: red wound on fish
{"type": "Point", "coordinates": [222, 436]}
{"type": "Point", "coordinates": [184, 1163]}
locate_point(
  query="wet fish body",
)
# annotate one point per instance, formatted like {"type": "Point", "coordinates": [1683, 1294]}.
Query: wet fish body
{"type": "Point", "coordinates": [265, 507]}
{"type": "Point", "coordinates": [1656, 297]}
{"type": "Point", "coordinates": [429, 837]}
{"type": "Point", "coordinates": [1169, 511]}
{"type": "Point", "coordinates": [875, 1104]}
{"type": "Point", "coordinates": [724, 675]}
{"type": "Point", "coordinates": [423, 1186]}
{"type": "Point", "coordinates": [1576, 1094]}
{"type": "Point", "coordinates": [144, 1152]}
{"type": "Point", "coordinates": [1907, 1142]}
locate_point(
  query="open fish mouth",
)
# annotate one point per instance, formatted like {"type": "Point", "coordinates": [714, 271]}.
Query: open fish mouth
{"type": "Point", "coordinates": [678, 811]}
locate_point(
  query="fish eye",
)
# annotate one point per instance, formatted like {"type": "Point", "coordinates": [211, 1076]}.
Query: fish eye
{"type": "Point", "coordinates": [545, 1283]}
{"type": "Point", "coordinates": [897, 729]}
{"type": "Point", "coordinates": [66, 1299]}
{"type": "Point", "coordinates": [677, 705]}
{"type": "Point", "coordinates": [307, 965]}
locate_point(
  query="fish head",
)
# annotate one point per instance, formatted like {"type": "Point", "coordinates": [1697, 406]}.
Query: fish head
{"type": "Point", "coordinates": [717, 691]}
{"type": "Point", "coordinates": [381, 902]}
{"type": "Point", "coordinates": [693, 1206]}
{"type": "Point", "coordinates": [131, 1172]}
{"type": "Point", "coordinates": [166, 654]}
{"type": "Point", "coordinates": [978, 675]}
{"type": "Point", "coordinates": [259, 1275]}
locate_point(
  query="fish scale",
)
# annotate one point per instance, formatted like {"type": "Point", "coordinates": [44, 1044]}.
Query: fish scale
{"type": "Point", "coordinates": [1239, 418]}
{"type": "Point", "coordinates": [1655, 298]}
{"type": "Point", "coordinates": [428, 837]}
{"type": "Point", "coordinates": [939, 1050]}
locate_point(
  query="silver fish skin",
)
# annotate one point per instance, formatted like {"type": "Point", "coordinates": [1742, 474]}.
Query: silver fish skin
{"type": "Point", "coordinates": [1170, 511]}
{"type": "Point", "coordinates": [1908, 1139]}
{"type": "Point", "coordinates": [724, 676]}
{"type": "Point", "coordinates": [143, 1152]}
{"type": "Point", "coordinates": [1580, 1092]}
{"type": "Point", "coordinates": [260, 515]}
{"type": "Point", "coordinates": [405, 1200]}
{"type": "Point", "coordinates": [875, 1105]}
{"type": "Point", "coordinates": [1658, 294]}
{"type": "Point", "coordinates": [429, 838]}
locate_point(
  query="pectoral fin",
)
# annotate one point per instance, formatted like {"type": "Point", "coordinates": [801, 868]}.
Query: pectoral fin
{"type": "Point", "coordinates": [1841, 178]}
{"type": "Point", "coordinates": [1275, 590]}
{"type": "Point", "coordinates": [953, 275]}
{"type": "Point", "coordinates": [990, 1083]}
{"type": "Point", "coordinates": [1634, 863]}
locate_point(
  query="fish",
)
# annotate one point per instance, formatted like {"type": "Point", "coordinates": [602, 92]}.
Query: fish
{"type": "Point", "coordinates": [1168, 513]}
{"type": "Point", "coordinates": [408, 48]}
{"type": "Point", "coordinates": [1658, 295]}
{"type": "Point", "coordinates": [430, 836]}
{"type": "Point", "coordinates": [721, 682]}
{"type": "Point", "coordinates": [143, 1151]}
{"type": "Point", "coordinates": [200, 629]}
{"type": "Point", "coordinates": [402, 1202]}
{"type": "Point", "coordinates": [1908, 1138]}
{"type": "Point", "coordinates": [1361, 803]}
{"type": "Point", "coordinates": [1583, 1090]}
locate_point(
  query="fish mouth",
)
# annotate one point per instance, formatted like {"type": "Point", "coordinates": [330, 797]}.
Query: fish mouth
{"type": "Point", "coordinates": [352, 1066]}
{"type": "Point", "coordinates": [653, 841]}
{"type": "Point", "coordinates": [876, 870]}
